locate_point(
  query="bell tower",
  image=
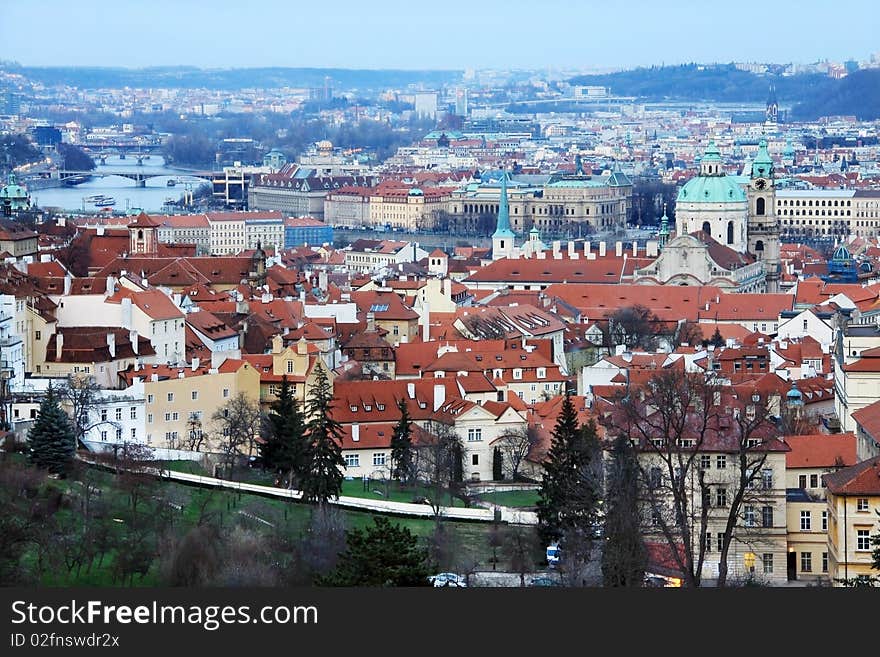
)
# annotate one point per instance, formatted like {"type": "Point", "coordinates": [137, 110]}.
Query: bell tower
{"type": "Point", "coordinates": [502, 238]}
{"type": "Point", "coordinates": [763, 226]}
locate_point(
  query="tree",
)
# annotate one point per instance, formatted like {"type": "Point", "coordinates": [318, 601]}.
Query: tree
{"type": "Point", "coordinates": [237, 425]}
{"type": "Point", "coordinates": [402, 467]}
{"type": "Point", "coordinates": [632, 326]}
{"type": "Point", "coordinates": [623, 553]}
{"type": "Point", "coordinates": [678, 422]}
{"type": "Point", "coordinates": [75, 158]}
{"type": "Point", "coordinates": [568, 500]}
{"type": "Point", "coordinates": [82, 396]}
{"type": "Point", "coordinates": [514, 446]}
{"type": "Point", "coordinates": [323, 463]}
{"type": "Point", "coordinates": [381, 555]}
{"type": "Point", "coordinates": [51, 439]}
{"type": "Point", "coordinates": [283, 446]}
{"type": "Point", "coordinates": [716, 340]}
{"type": "Point", "coordinates": [520, 546]}
{"type": "Point", "coordinates": [438, 462]}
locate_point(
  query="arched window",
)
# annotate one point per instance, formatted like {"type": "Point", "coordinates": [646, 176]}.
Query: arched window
{"type": "Point", "coordinates": [730, 232]}
{"type": "Point", "coordinates": [759, 206]}
{"type": "Point", "coordinates": [140, 234]}
{"type": "Point", "coordinates": [707, 228]}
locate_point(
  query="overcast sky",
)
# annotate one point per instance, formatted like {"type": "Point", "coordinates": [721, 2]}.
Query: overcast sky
{"type": "Point", "coordinates": [445, 34]}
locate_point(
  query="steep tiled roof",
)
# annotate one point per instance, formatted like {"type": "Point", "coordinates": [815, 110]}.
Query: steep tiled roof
{"type": "Point", "coordinates": [821, 451]}
{"type": "Point", "coordinates": [859, 479]}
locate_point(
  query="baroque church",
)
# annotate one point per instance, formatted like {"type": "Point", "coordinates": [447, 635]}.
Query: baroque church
{"type": "Point", "coordinates": [725, 235]}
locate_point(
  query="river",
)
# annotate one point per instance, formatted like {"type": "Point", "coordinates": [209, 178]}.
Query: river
{"type": "Point", "coordinates": [128, 196]}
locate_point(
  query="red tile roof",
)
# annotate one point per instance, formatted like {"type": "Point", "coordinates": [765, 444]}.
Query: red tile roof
{"type": "Point", "coordinates": [860, 479]}
{"type": "Point", "coordinates": [821, 450]}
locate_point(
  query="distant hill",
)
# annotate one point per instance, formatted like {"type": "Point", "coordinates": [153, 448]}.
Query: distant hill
{"type": "Point", "coordinates": [857, 94]}
{"type": "Point", "coordinates": [228, 79]}
{"type": "Point", "coordinates": [697, 82]}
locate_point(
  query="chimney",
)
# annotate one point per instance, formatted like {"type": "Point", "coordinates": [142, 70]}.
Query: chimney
{"type": "Point", "coordinates": [100, 230]}
{"type": "Point", "coordinates": [411, 390]}
{"type": "Point", "coordinates": [180, 374]}
{"type": "Point", "coordinates": [195, 364]}
{"type": "Point", "coordinates": [586, 248]}
{"type": "Point", "coordinates": [426, 322]}
{"type": "Point", "coordinates": [447, 287]}
{"type": "Point", "coordinates": [602, 247]}
{"type": "Point", "coordinates": [627, 356]}
{"type": "Point", "coordinates": [439, 395]}
{"type": "Point", "coordinates": [302, 347]}
{"type": "Point", "coordinates": [322, 280]}
{"type": "Point", "coordinates": [68, 279]}
{"type": "Point", "coordinates": [618, 249]}
{"type": "Point", "coordinates": [59, 345]}
{"type": "Point", "coordinates": [111, 285]}
{"type": "Point", "coordinates": [111, 343]}
{"type": "Point", "coordinates": [557, 245]}
{"type": "Point", "coordinates": [125, 308]}
{"type": "Point", "coordinates": [570, 249]}
{"type": "Point", "coordinates": [371, 322]}
{"type": "Point", "coordinates": [154, 377]}
{"type": "Point", "coordinates": [651, 248]}
{"type": "Point", "coordinates": [635, 248]}
{"type": "Point", "coordinates": [277, 344]}
{"type": "Point", "coordinates": [133, 338]}
{"type": "Point", "coordinates": [355, 432]}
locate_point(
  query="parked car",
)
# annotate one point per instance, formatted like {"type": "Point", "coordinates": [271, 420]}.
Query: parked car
{"type": "Point", "coordinates": [553, 553]}
{"type": "Point", "coordinates": [543, 581]}
{"type": "Point", "coordinates": [447, 579]}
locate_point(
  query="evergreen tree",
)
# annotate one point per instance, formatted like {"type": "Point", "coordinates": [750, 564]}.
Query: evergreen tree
{"type": "Point", "coordinates": [381, 555]}
{"type": "Point", "coordinates": [623, 555]}
{"type": "Point", "coordinates": [569, 495]}
{"type": "Point", "coordinates": [52, 440]}
{"type": "Point", "coordinates": [402, 467]}
{"type": "Point", "coordinates": [321, 476]}
{"type": "Point", "coordinates": [716, 340]}
{"type": "Point", "coordinates": [283, 449]}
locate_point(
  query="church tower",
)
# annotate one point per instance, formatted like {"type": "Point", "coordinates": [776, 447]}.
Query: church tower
{"type": "Point", "coordinates": [763, 228]}
{"type": "Point", "coordinates": [142, 236]}
{"type": "Point", "coordinates": [502, 238]}
{"type": "Point", "coordinates": [771, 114]}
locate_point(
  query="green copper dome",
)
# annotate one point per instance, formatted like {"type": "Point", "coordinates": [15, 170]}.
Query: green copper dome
{"type": "Point", "coordinates": [711, 189]}
{"type": "Point", "coordinates": [762, 165]}
{"type": "Point", "coordinates": [712, 153]}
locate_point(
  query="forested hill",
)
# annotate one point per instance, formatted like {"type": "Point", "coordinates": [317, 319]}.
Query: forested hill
{"type": "Point", "coordinates": [227, 79]}
{"type": "Point", "coordinates": [812, 95]}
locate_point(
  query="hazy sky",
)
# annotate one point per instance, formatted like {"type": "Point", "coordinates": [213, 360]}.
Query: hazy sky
{"type": "Point", "coordinates": [444, 34]}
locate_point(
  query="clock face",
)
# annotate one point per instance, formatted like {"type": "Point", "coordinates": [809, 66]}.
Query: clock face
{"type": "Point", "coordinates": [760, 183]}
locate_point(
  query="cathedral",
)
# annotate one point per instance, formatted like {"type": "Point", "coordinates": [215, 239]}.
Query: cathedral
{"type": "Point", "coordinates": [725, 235]}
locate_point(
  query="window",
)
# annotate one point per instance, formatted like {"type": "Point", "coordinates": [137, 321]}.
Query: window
{"type": "Point", "coordinates": [767, 516]}
{"type": "Point", "coordinates": [767, 479]}
{"type": "Point", "coordinates": [824, 521]}
{"type": "Point", "coordinates": [194, 395]}
{"type": "Point", "coordinates": [806, 562]}
{"type": "Point", "coordinates": [134, 433]}
{"type": "Point", "coordinates": [863, 539]}
{"type": "Point", "coordinates": [118, 413]}
{"type": "Point", "coordinates": [168, 417]}
{"type": "Point", "coordinates": [655, 477]}
{"type": "Point", "coordinates": [824, 562]}
{"type": "Point", "coordinates": [149, 399]}
{"type": "Point", "coordinates": [134, 412]}
{"type": "Point", "coordinates": [705, 461]}
{"type": "Point", "coordinates": [475, 435]}
{"type": "Point", "coordinates": [119, 435]}
{"type": "Point", "coordinates": [802, 481]}
{"type": "Point", "coordinates": [767, 560]}
{"type": "Point", "coordinates": [225, 392]}
{"type": "Point", "coordinates": [517, 373]}
{"type": "Point", "coordinates": [720, 541]}
{"type": "Point", "coordinates": [149, 418]}
{"type": "Point", "coordinates": [171, 396]}
{"type": "Point", "coordinates": [862, 504]}
{"type": "Point", "coordinates": [103, 415]}
{"type": "Point", "coordinates": [749, 516]}
{"type": "Point", "coordinates": [806, 520]}
{"type": "Point", "coordinates": [175, 416]}
{"type": "Point", "coordinates": [379, 458]}
{"type": "Point", "coordinates": [655, 518]}
{"type": "Point", "coordinates": [720, 497]}
{"type": "Point", "coordinates": [475, 459]}
{"type": "Point", "coordinates": [814, 481]}
{"type": "Point", "coordinates": [37, 335]}
{"type": "Point", "coordinates": [103, 435]}
{"type": "Point", "coordinates": [352, 460]}
{"type": "Point", "coordinates": [708, 541]}
{"type": "Point", "coordinates": [721, 461]}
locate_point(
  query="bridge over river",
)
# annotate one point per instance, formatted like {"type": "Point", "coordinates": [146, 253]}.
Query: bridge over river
{"type": "Point", "coordinates": [140, 177]}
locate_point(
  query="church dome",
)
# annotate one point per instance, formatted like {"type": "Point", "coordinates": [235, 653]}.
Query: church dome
{"type": "Point", "coordinates": [711, 189]}
{"type": "Point", "coordinates": [415, 191]}
{"type": "Point", "coordinates": [841, 253]}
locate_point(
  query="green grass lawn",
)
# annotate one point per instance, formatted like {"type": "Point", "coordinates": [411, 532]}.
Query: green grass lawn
{"type": "Point", "coordinates": [515, 498]}
{"type": "Point", "coordinates": [190, 467]}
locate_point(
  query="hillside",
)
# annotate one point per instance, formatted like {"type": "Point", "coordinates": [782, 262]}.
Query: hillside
{"type": "Point", "coordinates": [857, 94]}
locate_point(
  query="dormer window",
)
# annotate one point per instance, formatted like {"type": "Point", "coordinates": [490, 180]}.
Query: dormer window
{"type": "Point", "coordinates": [542, 372]}
{"type": "Point", "coordinates": [353, 408]}
{"type": "Point", "coordinates": [381, 407]}
{"type": "Point", "coordinates": [368, 407]}
{"type": "Point", "coordinates": [517, 373]}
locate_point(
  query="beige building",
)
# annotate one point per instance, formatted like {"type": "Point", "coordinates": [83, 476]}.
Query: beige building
{"type": "Point", "coordinates": [409, 209]}
{"type": "Point", "coordinates": [853, 503]}
{"type": "Point", "coordinates": [101, 352]}
{"type": "Point", "coordinates": [181, 400]}
{"type": "Point", "coordinates": [856, 385]}
{"type": "Point", "coordinates": [16, 239]}
{"type": "Point", "coordinates": [234, 232]}
{"type": "Point", "coordinates": [185, 229]}
{"type": "Point", "coordinates": [817, 212]}
{"type": "Point", "coordinates": [348, 206]}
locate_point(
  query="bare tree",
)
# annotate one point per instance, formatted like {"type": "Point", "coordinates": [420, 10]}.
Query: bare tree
{"type": "Point", "coordinates": [237, 427]}
{"type": "Point", "coordinates": [80, 395]}
{"type": "Point", "coordinates": [520, 546]}
{"type": "Point", "coordinates": [514, 446]}
{"type": "Point", "coordinates": [632, 326]}
{"type": "Point", "coordinates": [438, 463]}
{"type": "Point", "coordinates": [682, 424]}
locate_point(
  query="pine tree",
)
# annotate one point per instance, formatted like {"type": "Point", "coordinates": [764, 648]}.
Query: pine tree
{"type": "Point", "coordinates": [716, 340]}
{"type": "Point", "coordinates": [401, 446]}
{"type": "Point", "coordinates": [322, 459]}
{"type": "Point", "coordinates": [52, 440]}
{"type": "Point", "coordinates": [381, 555]}
{"type": "Point", "coordinates": [569, 495]}
{"type": "Point", "coordinates": [623, 555]}
{"type": "Point", "coordinates": [283, 448]}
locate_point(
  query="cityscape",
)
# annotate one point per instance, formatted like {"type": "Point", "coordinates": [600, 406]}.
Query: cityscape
{"type": "Point", "coordinates": [364, 319]}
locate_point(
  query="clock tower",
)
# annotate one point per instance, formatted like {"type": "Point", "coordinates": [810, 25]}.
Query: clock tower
{"type": "Point", "coordinates": [763, 226]}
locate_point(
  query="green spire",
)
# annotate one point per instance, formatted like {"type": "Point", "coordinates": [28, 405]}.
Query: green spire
{"type": "Point", "coordinates": [502, 228]}
{"type": "Point", "coordinates": [762, 165]}
{"type": "Point", "coordinates": [664, 228]}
